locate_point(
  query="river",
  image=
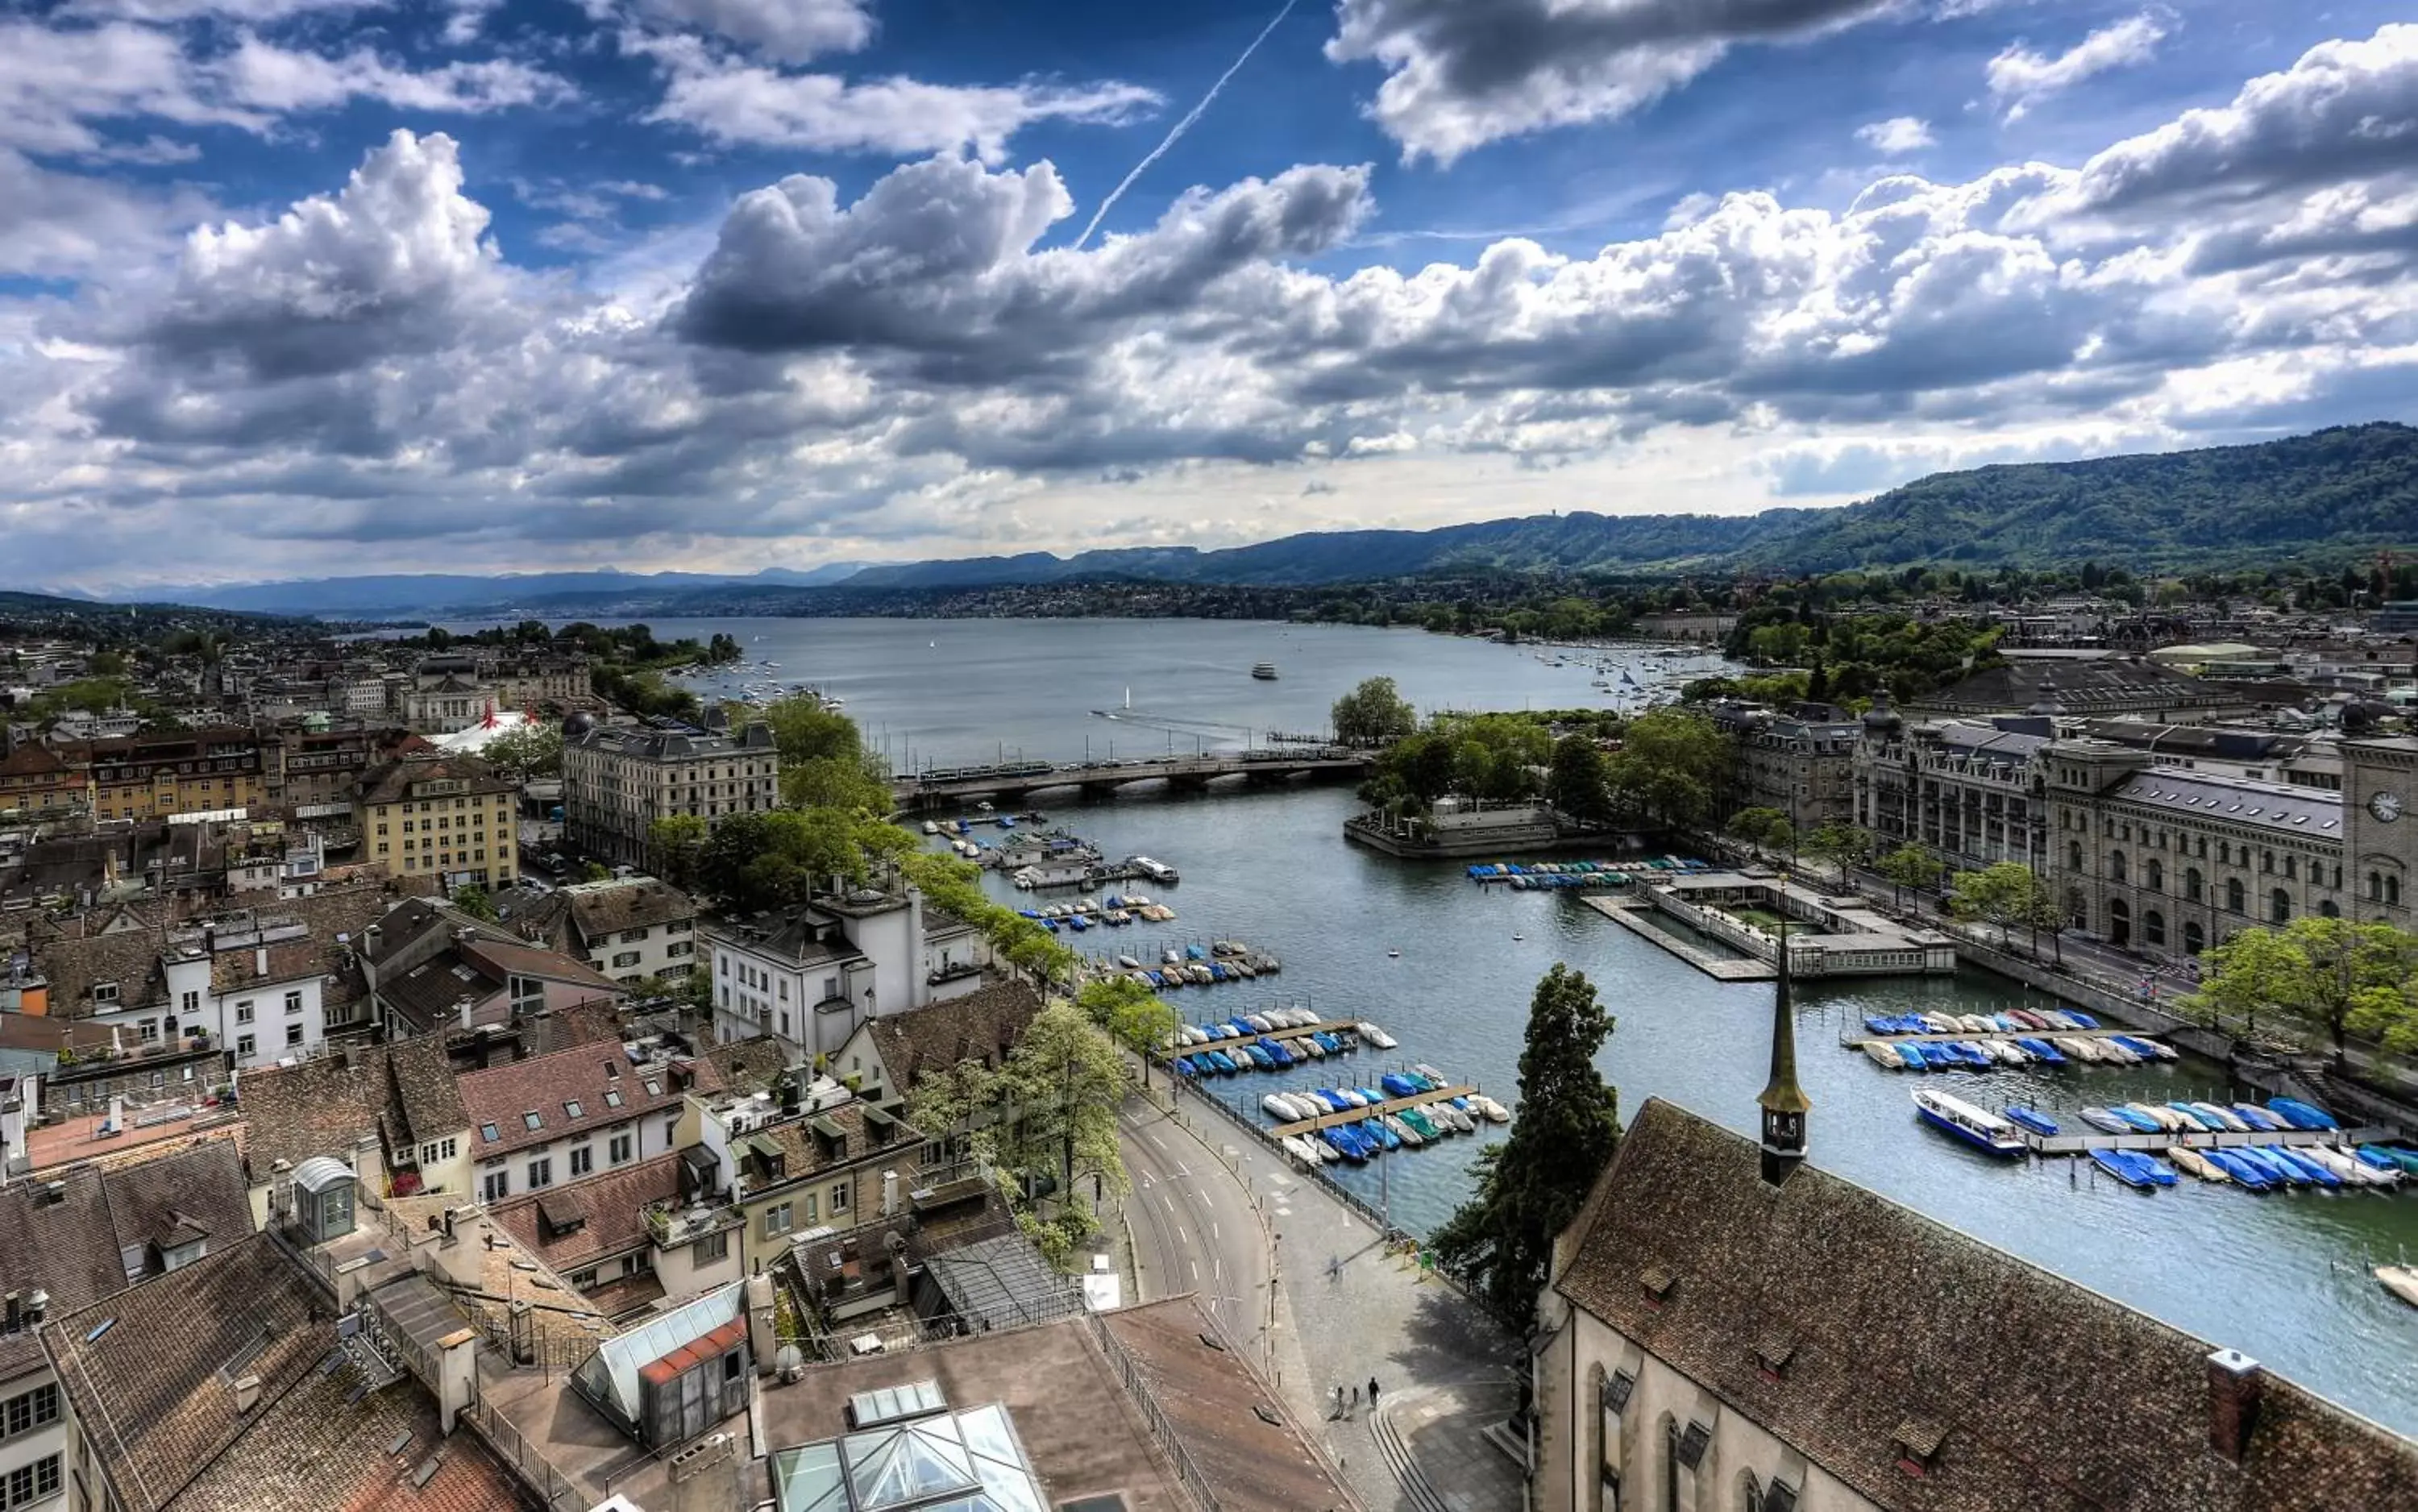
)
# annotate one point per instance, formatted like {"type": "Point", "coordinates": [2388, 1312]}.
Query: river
{"type": "Point", "coordinates": [2284, 1277]}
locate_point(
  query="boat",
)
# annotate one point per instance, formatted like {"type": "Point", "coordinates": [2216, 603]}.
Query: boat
{"type": "Point", "coordinates": [1388, 1133]}
{"type": "Point", "coordinates": [1378, 1037]}
{"type": "Point", "coordinates": [1913, 1056]}
{"type": "Point", "coordinates": [1300, 1148]}
{"type": "Point", "coordinates": [1264, 671]}
{"type": "Point", "coordinates": [1495, 1112]}
{"type": "Point", "coordinates": [2282, 1172]}
{"type": "Point", "coordinates": [2257, 1118]}
{"type": "Point", "coordinates": [2225, 1117]}
{"type": "Point", "coordinates": [2297, 1161]}
{"type": "Point", "coordinates": [2248, 1175]}
{"type": "Point", "coordinates": [2024, 1118]}
{"type": "Point", "coordinates": [2196, 1118]}
{"type": "Point", "coordinates": [2137, 1120]}
{"type": "Point", "coordinates": [2300, 1115]}
{"type": "Point", "coordinates": [1344, 1142]}
{"type": "Point", "coordinates": [2401, 1280]}
{"type": "Point", "coordinates": [2166, 1118]}
{"type": "Point", "coordinates": [1976, 1127]}
{"type": "Point", "coordinates": [2041, 1050]}
{"type": "Point", "coordinates": [2192, 1163]}
{"type": "Point", "coordinates": [1884, 1054]}
{"type": "Point", "coordinates": [1279, 1107]}
{"type": "Point", "coordinates": [2106, 1120]}
{"type": "Point", "coordinates": [2114, 1162]}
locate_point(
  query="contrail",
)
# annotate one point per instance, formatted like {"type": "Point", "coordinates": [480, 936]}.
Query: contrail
{"type": "Point", "coordinates": [1181, 127]}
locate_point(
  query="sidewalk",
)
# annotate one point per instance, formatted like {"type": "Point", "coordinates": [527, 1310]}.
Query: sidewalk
{"type": "Point", "coordinates": [1446, 1373]}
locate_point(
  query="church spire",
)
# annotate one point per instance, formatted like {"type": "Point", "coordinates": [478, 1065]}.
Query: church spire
{"type": "Point", "coordinates": [1784, 1102]}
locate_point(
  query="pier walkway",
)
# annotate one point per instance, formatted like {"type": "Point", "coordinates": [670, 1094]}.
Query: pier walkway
{"type": "Point", "coordinates": [1331, 1026]}
{"type": "Point", "coordinates": [2075, 1144]}
{"type": "Point", "coordinates": [1354, 1115]}
{"type": "Point", "coordinates": [1013, 782]}
{"type": "Point", "coordinates": [1625, 912]}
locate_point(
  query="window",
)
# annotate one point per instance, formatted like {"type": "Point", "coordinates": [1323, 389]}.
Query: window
{"type": "Point", "coordinates": [2393, 891]}
{"type": "Point", "coordinates": [28, 1411]}
{"type": "Point", "coordinates": [2154, 927]}
{"type": "Point", "coordinates": [493, 1186]}
{"type": "Point", "coordinates": [2193, 884]}
{"type": "Point", "coordinates": [487, 1132]}
{"type": "Point", "coordinates": [2291, 867]}
{"type": "Point", "coordinates": [149, 1029]}
{"type": "Point", "coordinates": [441, 1149]}
{"type": "Point", "coordinates": [541, 1174]}
{"type": "Point", "coordinates": [2328, 911]}
{"type": "Point", "coordinates": [28, 1484]}
{"type": "Point", "coordinates": [618, 1150]}
{"type": "Point", "coordinates": [293, 1034]}
{"type": "Point", "coordinates": [243, 1012]}
{"type": "Point", "coordinates": [671, 1132]}
{"type": "Point", "coordinates": [583, 1160]}
{"type": "Point", "coordinates": [532, 1120]}
{"type": "Point", "coordinates": [839, 1196]}
{"type": "Point", "coordinates": [104, 992]}
{"type": "Point", "coordinates": [2153, 875]}
{"type": "Point", "coordinates": [612, 1097]}
{"type": "Point", "coordinates": [244, 1047]}
{"type": "Point", "coordinates": [2233, 893]}
{"type": "Point", "coordinates": [293, 1004]}
{"type": "Point", "coordinates": [2195, 938]}
{"type": "Point", "coordinates": [2279, 907]}
{"type": "Point", "coordinates": [2074, 855]}
{"type": "Point", "coordinates": [631, 936]}
{"type": "Point", "coordinates": [2116, 866]}
{"type": "Point", "coordinates": [627, 957]}
{"type": "Point", "coordinates": [570, 1109]}
{"type": "Point", "coordinates": [2266, 861]}
{"type": "Point", "coordinates": [190, 1002]}
{"type": "Point", "coordinates": [776, 1220]}
{"type": "Point", "coordinates": [711, 1249]}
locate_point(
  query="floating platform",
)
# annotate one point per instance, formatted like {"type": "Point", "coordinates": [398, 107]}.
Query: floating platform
{"type": "Point", "coordinates": [1623, 911]}
{"type": "Point", "coordinates": [1354, 1115]}
{"type": "Point", "coordinates": [2076, 1144]}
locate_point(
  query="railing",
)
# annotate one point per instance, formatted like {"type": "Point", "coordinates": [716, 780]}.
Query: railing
{"type": "Point", "coordinates": [559, 1491]}
{"type": "Point", "coordinates": [1162, 1431]}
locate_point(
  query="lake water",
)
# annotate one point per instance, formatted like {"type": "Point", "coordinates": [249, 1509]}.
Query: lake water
{"type": "Point", "coordinates": [2283, 1277]}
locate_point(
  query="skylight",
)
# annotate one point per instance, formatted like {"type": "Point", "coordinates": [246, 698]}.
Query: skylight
{"type": "Point", "coordinates": [570, 1109]}
{"type": "Point", "coordinates": [488, 1133]}
{"type": "Point", "coordinates": [532, 1121]}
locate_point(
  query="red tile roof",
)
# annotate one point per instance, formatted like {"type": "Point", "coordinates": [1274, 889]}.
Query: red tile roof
{"type": "Point", "coordinates": [695, 1353]}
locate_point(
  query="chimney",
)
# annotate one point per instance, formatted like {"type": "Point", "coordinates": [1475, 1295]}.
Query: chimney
{"type": "Point", "coordinates": [370, 938]}
{"type": "Point", "coordinates": [247, 1393]}
{"type": "Point", "coordinates": [53, 1193]}
{"type": "Point", "coordinates": [2234, 1379]}
{"type": "Point", "coordinates": [260, 961]}
{"type": "Point", "coordinates": [889, 1193]}
{"type": "Point", "coordinates": [468, 1005]}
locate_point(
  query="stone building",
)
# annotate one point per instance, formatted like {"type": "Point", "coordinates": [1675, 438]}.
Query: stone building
{"type": "Point", "coordinates": [619, 780]}
{"type": "Point", "coordinates": [1799, 760]}
{"type": "Point", "coordinates": [1965, 789]}
{"type": "Point", "coordinates": [447, 817]}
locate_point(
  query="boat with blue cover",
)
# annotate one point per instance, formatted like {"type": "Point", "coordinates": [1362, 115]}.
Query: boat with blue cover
{"type": "Point", "coordinates": [1398, 1084]}
{"type": "Point", "coordinates": [2041, 1050]}
{"type": "Point", "coordinates": [2139, 1121]}
{"type": "Point", "coordinates": [2245, 1175]}
{"type": "Point", "coordinates": [2312, 1169]}
{"type": "Point", "coordinates": [2079, 1018]}
{"type": "Point", "coordinates": [2197, 1119]}
{"type": "Point", "coordinates": [2133, 1168]}
{"type": "Point", "coordinates": [1385, 1137]}
{"type": "Point", "coordinates": [1976, 1127]}
{"type": "Point", "coordinates": [2257, 1116]}
{"type": "Point", "coordinates": [2300, 1115]}
{"type": "Point", "coordinates": [2106, 1120]}
{"type": "Point", "coordinates": [1282, 1057]}
{"type": "Point", "coordinates": [2024, 1118]}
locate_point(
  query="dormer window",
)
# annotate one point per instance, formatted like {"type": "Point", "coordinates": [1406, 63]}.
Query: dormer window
{"type": "Point", "coordinates": [1916, 1445]}
{"type": "Point", "coordinates": [654, 1087]}
{"type": "Point", "coordinates": [612, 1097]}
{"type": "Point", "coordinates": [531, 1120]}
{"type": "Point", "coordinates": [1657, 1281]}
{"type": "Point", "coordinates": [1772, 1352]}
{"type": "Point", "coordinates": [104, 992]}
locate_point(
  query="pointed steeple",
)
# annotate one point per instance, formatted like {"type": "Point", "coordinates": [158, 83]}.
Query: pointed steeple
{"type": "Point", "coordinates": [1784, 1102]}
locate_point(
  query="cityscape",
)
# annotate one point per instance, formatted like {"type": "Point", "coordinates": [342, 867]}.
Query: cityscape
{"type": "Point", "coordinates": [1522, 755]}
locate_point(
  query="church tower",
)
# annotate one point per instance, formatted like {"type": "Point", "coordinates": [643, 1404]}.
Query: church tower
{"type": "Point", "coordinates": [1784, 1102]}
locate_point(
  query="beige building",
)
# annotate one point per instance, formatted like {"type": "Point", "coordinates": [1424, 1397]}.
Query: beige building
{"type": "Point", "coordinates": [450, 817]}
{"type": "Point", "coordinates": [619, 780]}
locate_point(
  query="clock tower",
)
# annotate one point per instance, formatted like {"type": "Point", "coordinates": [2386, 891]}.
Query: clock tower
{"type": "Point", "coordinates": [1784, 1102]}
{"type": "Point", "coordinates": [2379, 829]}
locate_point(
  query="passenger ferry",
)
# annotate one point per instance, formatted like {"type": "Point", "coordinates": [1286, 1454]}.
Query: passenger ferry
{"type": "Point", "coordinates": [1971, 1124]}
{"type": "Point", "coordinates": [1158, 871]}
{"type": "Point", "coordinates": [1264, 671]}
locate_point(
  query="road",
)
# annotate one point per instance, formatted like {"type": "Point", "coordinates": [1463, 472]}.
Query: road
{"type": "Point", "coordinates": [1190, 1233]}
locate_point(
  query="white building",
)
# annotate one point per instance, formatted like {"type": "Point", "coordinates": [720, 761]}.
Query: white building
{"type": "Point", "coordinates": [619, 780]}
{"type": "Point", "coordinates": [809, 976]}
{"type": "Point", "coordinates": [560, 1117]}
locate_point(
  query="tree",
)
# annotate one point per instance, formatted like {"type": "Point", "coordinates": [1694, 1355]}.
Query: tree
{"type": "Point", "coordinates": [473, 901]}
{"type": "Point", "coordinates": [1576, 785]}
{"type": "Point", "coordinates": [1134, 1016]}
{"type": "Point", "coordinates": [1912, 867]}
{"type": "Point", "coordinates": [823, 760]}
{"type": "Point", "coordinates": [1755, 825]}
{"type": "Point", "coordinates": [1842, 845]}
{"type": "Point", "coordinates": [530, 750]}
{"type": "Point", "coordinates": [1672, 766]}
{"type": "Point", "coordinates": [1530, 1187]}
{"type": "Point", "coordinates": [2332, 974]}
{"type": "Point", "coordinates": [594, 871]}
{"type": "Point", "coordinates": [676, 848]}
{"type": "Point", "coordinates": [1373, 714]}
{"type": "Point", "coordinates": [2005, 893]}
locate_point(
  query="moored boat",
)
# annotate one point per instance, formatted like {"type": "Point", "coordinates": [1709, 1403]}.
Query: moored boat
{"type": "Point", "coordinates": [1883, 1054]}
{"type": "Point", "coordinates": [1976, 1127]}
{"type": "Point", "coordinates": [2401, 1280]}
{"type": "Point", "coordinates": [2026, 1119]}
{"type": "Point", "coordinates": [2192, 1163]}
{"type": "Point", "coordinates": [2106, 1120]}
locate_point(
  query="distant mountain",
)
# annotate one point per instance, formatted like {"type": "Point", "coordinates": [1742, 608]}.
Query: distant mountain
{"type": "Point", "coordinates": [439, 594]}
{"type": "Point", "coordinates": [2325, 496]}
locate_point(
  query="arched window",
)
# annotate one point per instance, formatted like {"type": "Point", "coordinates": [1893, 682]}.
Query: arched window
{"type": "Point", "coordinates": [2326, 910]}
{"type": "Point", "coordinates": [2266, 861]}
{"type": "Point", "coordinates": [2291, 866]}
{"type": "Point", "coordinates": [2153, 875]}
{"type": "Point", "coordinates": [2393, 890]}
{"type": "Point", "coordinates": [2376, 887]}
{"type": "Point", "coordinates": [2153, 928]}
{"type": "Point", "coordinates": [2233, 893]}
{"type": "Point", "coordinates": [2116, 866]}
{"type": "Point", "coordinates": [2225, 852]}
{"type": "Point", "coordinates": [2193, 884]}
{"type": "Point", "coordinates": [2279, 907]}
{"type": "Point", "coordinates": [2120, 923]}
{"type": "Point", "coordinates": [2074, 855]}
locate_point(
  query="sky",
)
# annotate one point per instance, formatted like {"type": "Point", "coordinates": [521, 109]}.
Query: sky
{"type": "Point", "coordinates": [322, 287]}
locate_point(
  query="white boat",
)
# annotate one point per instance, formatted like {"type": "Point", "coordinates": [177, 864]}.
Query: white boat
{"type": "Point", "coordinates": [2401, 1280]}
{"type": "Point", "coordinates": [2003, 1052]}
{"type": "Point", "coordinates": [1975, 1126]}
{"type": "Point", "coordinates": [1940, 1024]}
{"type": "Point", "coordinates": [1280, 1107]}
{"type": "Point", "coordinates": [2225, 1116]}
{"type": "Point", "coordinates": [1976, 1024]}
{"type": "Point", "coordinates": [1495, 1112]}
{"type": "Point", "coordinates": [1257, 1021]}
{"type": "Point", "coordinates": [1884, 1054]}
{"type": "Point", "coordinates": [1408, 1135]}
{"type": "Point", "coordinates": [931, 826]}
{"type": "Point", "coordinates": [1128, 963]}
{"type": "Point", "coordinates": [1432, 1074]}
{"type": "Point", "coordinates": [1446, 1116]}
{"type": "Point", "coordinates": [2118, 1053]}
{"type": "Point", "coordinates": [2075, 1048]}
{"type": "Point", "coordinates": [1378, 1037]}
{"type": "Point", "coordinates": [1300, 1148]}
{"type": "Point", "coordinates": [1305, 1045]}
{"type": "Point", "coordinates": [2165, 1118]}
{"type": "Point", "coordinates": [1351, 1098]}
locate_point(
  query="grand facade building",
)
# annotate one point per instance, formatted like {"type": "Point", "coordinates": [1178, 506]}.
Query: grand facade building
{"type": "Point", "coordinates": [619, 780]}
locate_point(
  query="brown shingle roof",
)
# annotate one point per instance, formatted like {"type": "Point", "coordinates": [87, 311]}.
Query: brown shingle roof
{"type": "Point", "coordinates": [2045, 1395]}
{"type": "Point", "coordinates": [130, 959]}
{"type": "Point", "coordinates": [640, 903]}
{"type": "Point", "coordinates": [150, 1371]}
{"type": "Point", "coordinates": [318, 1108]}
{"type": "Point", "coordinates": [980, 1026]}
{"type": "Point", "coordinates": [391, 781]}
{"type": "Point", "coordinates": [610, 1203]}
{"type": "Point", "coordinates": [66, 1248]}
{"type": "Point", "coordinates": [749, 1066]}
{"type": "Point", "coordinates": [427, 1095]}
{"type": "Point", "coordinates": [544, 1084]}
{"type": "Point", "coordinates": [197, 1192]}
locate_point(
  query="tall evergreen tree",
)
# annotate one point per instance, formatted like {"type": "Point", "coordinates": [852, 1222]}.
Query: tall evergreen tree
{"type": "Point", "coordinates": [1530, 1187]}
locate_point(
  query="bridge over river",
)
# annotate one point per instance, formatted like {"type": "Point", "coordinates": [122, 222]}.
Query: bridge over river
{"type": "Point", "coordinates": [1016, 779]}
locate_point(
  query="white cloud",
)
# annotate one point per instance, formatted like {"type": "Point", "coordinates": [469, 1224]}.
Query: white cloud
{"type": "Point", "coordinates": [55, 83]}
{"type": "Point", "coordinates": [733, 102]}
{"type": "Point", "coordinates": [1462, 73]}
{"type": "Point", "coordinates": [1897, 135]}
{"type": "Point", "coordinates": [791, 31]}
{"type": "Point", "coordinates": [268, 77]}
{"type": "Point", "coordinates": [57, 224]}
{"type": "Point", "coordinates": [2021, 77]}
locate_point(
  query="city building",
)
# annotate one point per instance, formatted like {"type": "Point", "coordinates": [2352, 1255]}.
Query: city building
{"type": "Point", "coordinates": [2085, 686]}
{"type": "Point", "coordinates": [311, 774]}
{"type": "Point", "coordinates": [554, 1118]}
{"type": "Point", "coordinates": [627, 1240]}
{"type": "Point", "coordinates": [810, 974]}
{"type": "Point", "coordinates": [618, 780]}
{"type": "Point", "coordinates": [182, 771]}
{"type": "Point", "coordinates": [448, 817]}
{"type": "Point", "coordinates": [890, 1056]}
{"type": "Point", "coordinates": [630, 928]}
{"type": "Point", "coordinates": [430, 968]}
{"type": "Point", "coordinates": [1965, 788]}
{"type": "Point", "coordinates": [1799, 760]}
{"type": "Point", "coordinates": [38, 781]}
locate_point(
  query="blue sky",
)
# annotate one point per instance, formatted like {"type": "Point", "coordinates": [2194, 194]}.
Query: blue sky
{"type": "Point", "coordinates": [305, 287]}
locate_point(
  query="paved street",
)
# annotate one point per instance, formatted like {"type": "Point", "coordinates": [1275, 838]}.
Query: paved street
{"type": "Point", "coordinates": [1202, 1188]}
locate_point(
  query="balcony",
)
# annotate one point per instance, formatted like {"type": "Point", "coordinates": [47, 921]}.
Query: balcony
{"type": "Point", "coordinates": [672, 1222]}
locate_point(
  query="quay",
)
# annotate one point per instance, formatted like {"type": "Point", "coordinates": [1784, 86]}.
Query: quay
{"type": "Point", "coordinates": [1623, 911]}
{"type": "Point", "coordinates": [1354, 1115]}
{"type": "Point", "coordinates": [2075, 1144]}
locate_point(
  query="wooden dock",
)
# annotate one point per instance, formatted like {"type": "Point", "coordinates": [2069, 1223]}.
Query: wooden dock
{"type": "Point", "coordinates": [2076, 1144]}
{"type": "Point", "coordinates": [1331, 1026]}
{"type": "Point", "coordinates": [1623, 911]}
{"type": "Point", "coordinates": [2051, 1035]}
{"type": "Point", "coordinates": [1354, 1115]}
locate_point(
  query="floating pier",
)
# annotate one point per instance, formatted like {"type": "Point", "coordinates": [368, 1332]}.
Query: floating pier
{"type": "Point", "coordinates": [1331, 1026]}
{"type": "Point", "coordinates": [1355, 1115]}
{"type": "Point", "coordinates": [1625, 912]}
{"type": "Point", "coordinates": [2076, 1144]}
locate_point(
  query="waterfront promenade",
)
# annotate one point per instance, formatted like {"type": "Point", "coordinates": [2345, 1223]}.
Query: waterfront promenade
{"type": "Point", "coordinates": [1216, 1211]}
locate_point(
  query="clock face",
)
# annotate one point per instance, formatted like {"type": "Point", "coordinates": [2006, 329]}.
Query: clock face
{"type": "Point", "coordinates": [2386, 806]}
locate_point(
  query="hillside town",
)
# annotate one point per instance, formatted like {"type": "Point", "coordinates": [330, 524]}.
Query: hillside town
{"type": "Point", "coordinates": [387, 1116]}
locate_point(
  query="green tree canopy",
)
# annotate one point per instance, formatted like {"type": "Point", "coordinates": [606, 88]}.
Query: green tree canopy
{"type": "Point", "coordinates": [2006, 894]}
{"type": "Point", "coordinates": [1577, 785]}
{"type": "Point", "coordinates": [1373, 714]}
{"type": "Point", "coordinates": [530, 750]}
{"type": "Point", "coordinates": [1530, 1187]}
{"type": "Point", "coordinates": [1912, 867]}
{"type": "Point", "coordinates": [823, 760]}
{"type": "Point", "coordinates": [676, 848]}
{"type": "Point", "coordinates": [2331, 975]}
{"type": "Point", "coordinates": [474, 901]}
{"type": "Point", "coordinates": [1755, 826]}
{"type": "Point", "coordinates": [1672, 766]}
{"type": "Point", "coordinates": [1842, 845]}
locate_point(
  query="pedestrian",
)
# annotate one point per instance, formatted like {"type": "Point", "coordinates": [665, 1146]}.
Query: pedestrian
{"type": "Point", "coordinates": [1334, 1267]}
{"type": "Point", "coordinates": [1372, 1393]}
{"type": "Point", "coordinates": [1356, 1398]}
{"type": "Point", "coordinates": [1338, 1399]}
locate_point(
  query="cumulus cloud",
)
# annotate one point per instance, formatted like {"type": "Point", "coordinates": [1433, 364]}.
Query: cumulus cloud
{"type": "Point", "coordinates": [731, 100]}
{"type": "Point", "coordinates": [1897, 135]}
{"type": "Point", "coordinates": [272, 78]}
{"type": "Point", "coordinates": [56, 224]}
{"type": "Point", "coordinates": [791, 31]}
{"type": "Point", "coordinates": [1462, 73]}
{"type": "Point", "coordinates": [2021, 77]}
{"type": "Point", "coordinates": [55, 83]}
